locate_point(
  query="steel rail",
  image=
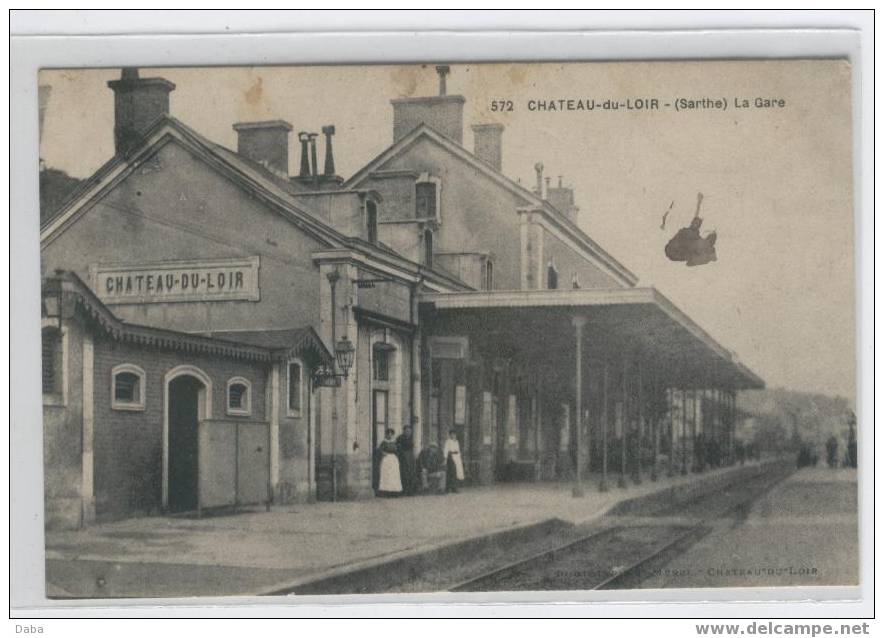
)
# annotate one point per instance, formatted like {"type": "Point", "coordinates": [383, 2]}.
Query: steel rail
{"type": "Point", "coordinates": [702, 524]}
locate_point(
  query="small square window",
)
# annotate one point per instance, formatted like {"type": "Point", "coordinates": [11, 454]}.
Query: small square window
{"type": "Point", "coordinates": [127, 387]}
{"type": "Point", "coordinates": [239, 396]}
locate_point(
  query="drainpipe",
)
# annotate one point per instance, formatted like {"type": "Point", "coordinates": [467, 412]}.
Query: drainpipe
{"type": "Point", "coordinates": [333, 278]}
{"type": "Point", "coordinates": [415, 359]}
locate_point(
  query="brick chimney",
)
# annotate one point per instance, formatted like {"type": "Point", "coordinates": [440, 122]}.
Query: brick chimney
{"type": "Point", "coordinates": [562, 198]}
{"type": "Point", "coordinates": [487, 144]}
{"type": "Point", "coordinates": [266, 143]}
{"type": "Point", "coordinates": [138, 103]}
{"type": "Point", "coordinates": [443, 113]}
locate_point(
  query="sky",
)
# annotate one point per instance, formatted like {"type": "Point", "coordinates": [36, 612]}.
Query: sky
{"type": "Point", "coordinates": [777, 182]}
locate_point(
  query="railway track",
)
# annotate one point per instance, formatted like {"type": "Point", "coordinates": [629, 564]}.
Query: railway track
{"type": "Point", "coordinates": [627, 549]}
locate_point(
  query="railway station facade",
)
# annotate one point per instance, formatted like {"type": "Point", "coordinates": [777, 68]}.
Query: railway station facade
{"type": "Point", "coordinates": [221, 330]}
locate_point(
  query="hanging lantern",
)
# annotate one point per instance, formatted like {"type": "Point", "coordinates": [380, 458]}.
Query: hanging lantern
{"type": "Point", "coordinates": [344, 354]}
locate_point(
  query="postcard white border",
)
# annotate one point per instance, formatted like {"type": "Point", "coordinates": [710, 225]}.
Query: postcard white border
{"type": "Point", "coordinates": [523, 38]}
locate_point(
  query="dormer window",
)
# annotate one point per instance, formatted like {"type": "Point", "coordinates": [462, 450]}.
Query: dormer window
{"type": "Point", "coordinates": [371, 221]}
{"type": "Point", "coordinates": [426, 197]}
{"type": "Point", "coordinates": [425, 200]}
{"type": "Point", "coordinates": [428, 248]}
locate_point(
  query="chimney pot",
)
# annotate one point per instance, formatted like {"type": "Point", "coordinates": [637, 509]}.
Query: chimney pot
{"type": "Point", "coordinates": [266, 143]}
{"type": "Point", "coordinates": [443, 70]}
{"type": "Point", "coordinates": [538, 169]}
{"type": "Point", "coordinates": [304, 139]}
{"type": "Point", "coordinates": [487, 144]}
{"type": "Point", "coordinates": [138, 104]}
{"type": "Point", "coordinates": [443, 113]}
{"type": "Point", "coordinates": [315, 172]}
{"type": "Point", "coordinates": [562, 199]}
{"type": "Point", "coordinates": [329, 131]}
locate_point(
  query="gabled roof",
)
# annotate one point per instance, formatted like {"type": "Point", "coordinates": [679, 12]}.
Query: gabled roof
{"type": "Point", "coordinates": [261, 182]}
{"type": "Point", "coordinates": [530, 198]}
{"type": "Point", "coordinates": [248, 175]}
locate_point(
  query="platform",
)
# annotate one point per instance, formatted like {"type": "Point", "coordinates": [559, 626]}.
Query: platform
{"type": "Point", "coordinates": [255, 552]}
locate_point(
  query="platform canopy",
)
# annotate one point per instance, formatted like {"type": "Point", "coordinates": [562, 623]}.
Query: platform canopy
{"type": "Point", "coordinates": [537, 326]}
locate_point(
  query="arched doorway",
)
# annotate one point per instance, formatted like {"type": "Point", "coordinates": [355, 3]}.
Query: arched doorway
{"type": "Point", "coordinates": [188, 401]}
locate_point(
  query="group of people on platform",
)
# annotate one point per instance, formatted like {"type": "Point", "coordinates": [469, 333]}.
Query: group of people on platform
{"type": "Point", "coordinates": [397, 472]}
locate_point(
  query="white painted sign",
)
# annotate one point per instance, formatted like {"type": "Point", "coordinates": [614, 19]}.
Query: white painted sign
{"type": "Point", "coordinates": [169, 281]}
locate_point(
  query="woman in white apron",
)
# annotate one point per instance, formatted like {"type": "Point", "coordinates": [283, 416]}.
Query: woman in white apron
{"type": "Point", "coordinates": [453, 462]}
{"type": "Point", "coordinates": [389, 481]}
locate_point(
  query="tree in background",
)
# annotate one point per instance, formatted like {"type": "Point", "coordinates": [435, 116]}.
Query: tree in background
{"type": "Point", "coordinates": [851, 439]}
{"type": "Point", "coordinates": [832, 451]}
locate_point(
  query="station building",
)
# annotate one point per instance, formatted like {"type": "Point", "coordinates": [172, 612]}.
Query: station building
{"type": "Point", "coordinates": [220, 331]}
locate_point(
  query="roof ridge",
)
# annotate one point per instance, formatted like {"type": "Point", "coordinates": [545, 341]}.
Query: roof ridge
{"type": "Point", "coordinates": [533, 198]}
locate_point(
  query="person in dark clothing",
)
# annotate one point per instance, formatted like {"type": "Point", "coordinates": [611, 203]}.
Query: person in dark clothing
{"type": "Point", "coordinates": [453, 463]}
{"type": "Point", "coordinates": [431, 469]}
{"type": "Point", "coordinates": [405, 451]}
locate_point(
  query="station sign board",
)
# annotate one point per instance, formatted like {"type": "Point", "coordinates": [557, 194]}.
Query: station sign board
{"type": "Point", "coordinates": [174, 281]}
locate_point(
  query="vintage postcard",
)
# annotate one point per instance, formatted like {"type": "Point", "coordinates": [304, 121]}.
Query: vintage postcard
{"type": "Point", "coordinates": [448, 328]}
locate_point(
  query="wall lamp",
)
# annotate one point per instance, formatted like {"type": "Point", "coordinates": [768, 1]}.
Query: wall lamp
{"type": "Point", "coordinates": [327, 376]}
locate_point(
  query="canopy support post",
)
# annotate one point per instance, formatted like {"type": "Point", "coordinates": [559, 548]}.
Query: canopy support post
{"type": "Point", "coordinates": [578, 323]}
{"type": "Point", "coordinates": [684, 431]}
{"type": "Point", "coordinates": [603, 484]}
{"type": "Point", "coordinates": [624, 420]}
{"type": "Point", "coordinates": [655, 420]}
{"type": "Point", "coordinates": [670, 416]}
{"type": "Point", "coordinates": [639, 425]}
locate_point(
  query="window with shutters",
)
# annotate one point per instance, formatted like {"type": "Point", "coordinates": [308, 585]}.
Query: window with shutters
{"type": "Point", "coordinates": [371, 221]}
{"type": "Point", "coordinates": [53, 362]}
{"type": "Point", "coordinates": [295, 388]}
{"type": "Point", "coordinates": [428, 248]}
